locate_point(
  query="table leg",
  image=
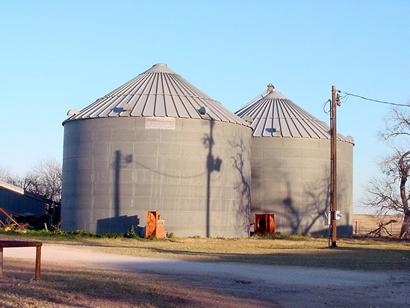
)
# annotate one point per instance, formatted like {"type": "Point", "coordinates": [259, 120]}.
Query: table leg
{"type": "Point", "coordinates": [1, 262]}
{"type": "Point", "coordinates": [38, 263]}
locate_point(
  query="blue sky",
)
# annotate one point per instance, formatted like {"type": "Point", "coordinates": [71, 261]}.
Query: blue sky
{"type": "Point", "coordinates": [56, 55]}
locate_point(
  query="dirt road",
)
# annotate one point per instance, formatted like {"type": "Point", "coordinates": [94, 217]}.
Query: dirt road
{"type": "Point", "coordinates": [289, 286]}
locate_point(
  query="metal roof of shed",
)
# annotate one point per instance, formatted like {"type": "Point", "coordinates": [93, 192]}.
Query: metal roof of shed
{"type": "Point", "coordinates": [21, 191]}
{"type": "Point", "coordinates": [274, 115]}
{"type": "Point", "coordinates": [157, 92]}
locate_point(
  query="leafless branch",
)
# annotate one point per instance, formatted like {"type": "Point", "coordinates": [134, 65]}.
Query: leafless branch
{"type": "Point", "coordinates": [397, 124]}
{"type": "Point", "coordinates": [45, 180]}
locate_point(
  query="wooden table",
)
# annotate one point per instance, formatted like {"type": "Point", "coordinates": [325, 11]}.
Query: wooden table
{"type": "Point", "coordinates": [17, 244]}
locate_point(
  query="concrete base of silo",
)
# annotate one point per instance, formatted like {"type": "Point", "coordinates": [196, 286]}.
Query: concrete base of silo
{"type": "Point", "coordinates": [291, 178]}
{"type": "Point", "coordinates": [196, 173]}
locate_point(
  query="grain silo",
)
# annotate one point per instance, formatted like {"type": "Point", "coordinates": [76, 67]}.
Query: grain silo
{"type": "Point", "coordinates": [158, 143]}
{"type": "Point", "coordinates": [291, 166]}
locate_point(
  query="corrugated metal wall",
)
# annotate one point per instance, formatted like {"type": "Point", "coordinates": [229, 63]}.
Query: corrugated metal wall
{"type": "Point", "coordinates": [116, 168]}
{"type": "Point", "coordinates": [290, 177]}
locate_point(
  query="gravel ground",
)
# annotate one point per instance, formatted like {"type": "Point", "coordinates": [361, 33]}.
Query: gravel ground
{"type": "Point", "coordinates": [287, 285]}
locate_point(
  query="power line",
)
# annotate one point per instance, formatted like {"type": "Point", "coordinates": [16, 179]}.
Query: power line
{"type": "Point", "coordinates": [325, 105]}
{"type": "Point", "coordinates": [373, 100]}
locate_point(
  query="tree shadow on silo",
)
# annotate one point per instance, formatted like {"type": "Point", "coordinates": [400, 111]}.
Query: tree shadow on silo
{"type": "Point", "coordinates": [317, 196]}
{"type": "Point", "coordinates": [292, 213]}
{"type": "Point", "coordinates": [312, 208]}
{"type": "Point", "coordinates": [302, 214]}
{"type": "Point", "coordinates": [273, 199]}
{"type": "Point", "coordinates": [243, 185]}
{"type": "Point", "coordinates": [311, 215]}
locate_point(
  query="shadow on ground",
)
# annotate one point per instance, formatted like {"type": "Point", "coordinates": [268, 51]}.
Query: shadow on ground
{"type": "Point", "coordinates": [278, 253]}
{"type": "Point", "coordinates": [341, 258]}
{"type": "Point", "coordinates": [91, 288]}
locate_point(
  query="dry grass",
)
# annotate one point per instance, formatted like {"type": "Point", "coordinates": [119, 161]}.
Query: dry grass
{"type": "Point", "coordinates": [363, 224]}
{"type": "Point", "coordinates": [364, 254]}
{"type": "Point", "coordinates": [63, 286]}
{"type": "Point", "coordinates": [351, 254]}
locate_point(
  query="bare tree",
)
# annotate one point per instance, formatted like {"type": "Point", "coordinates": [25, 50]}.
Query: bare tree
{"type": "Point", "coordinates": [45, 180]}
{"type": "Point", "coordinates": [389, 193]}
{"type": "Point", "coordinates": [8, 177]}
{"type": "Point", "coordinates": [397, 124]}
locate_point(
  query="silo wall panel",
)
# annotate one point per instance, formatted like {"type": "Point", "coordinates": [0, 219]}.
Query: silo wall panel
{"type": "Point", "coordinates": [291, 178]}
{"type": "Point", "coordinates": [114, 169]}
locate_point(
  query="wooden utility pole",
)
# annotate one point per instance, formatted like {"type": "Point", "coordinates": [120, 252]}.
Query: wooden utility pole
{"type": "Point", "coordinates": [333, 167]}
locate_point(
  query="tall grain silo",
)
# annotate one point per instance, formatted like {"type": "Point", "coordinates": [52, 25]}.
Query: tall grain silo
{"type": "Point", "coordinates": [157, 143]}
{"type": "Point", "coordinates": [291, 166]}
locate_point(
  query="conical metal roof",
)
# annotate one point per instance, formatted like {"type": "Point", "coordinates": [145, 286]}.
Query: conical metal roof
{"type": "Point", "coordinates": [157, 92]}
{"type": "Point", "coordinates": [272, 114]}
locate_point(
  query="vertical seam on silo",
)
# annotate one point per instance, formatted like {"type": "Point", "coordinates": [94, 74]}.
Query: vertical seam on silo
{"type": "Point", "coordinates": [262, 121]}
{"type": "Point", "coordinates": [215, 110]}
{"type": "Point", "coordinates": [163, 95]}
{"type": "Point", "coordinates": [277, 116]}
{"type": "Point", "coordinates": [307, 118]}
{"type": "Point", "coordinates": [250, 110]}
{"type": "Point", "coordinates": [149, 91]}
{"type": "Point", "coordinates": [117, 100]}
{"type": "Point", "coordinates": [284, 117]}
{"type": "Point", "coordinates": [273, 117]}
{"type": "Point", "coordinates": [156, 78]}
{"type": "Point", "coordinates": [322, 129]}
{"type": "Point", "coordinates": [218, 113]}
{"type": "Point", "coordinates": [268, 103]}
{"type": "Point", "coordinates": [258, 111]}
{"type": "Point", "coordinates": [171, 82]}
{"type": "Point", "coordinates": [292, 118]}
{"type": "Point", "coordinates": [176, 85]}
{"type": "Point", "coordinates": [143, 85]}
{"type": "Point", "coordinates": [120, 87]}
{"type": "Point", "coordinates": [107, 104]}
{"type": "Point", "coordinates": [88, 108]}
{"type": "Point", "coordinates": [137, 84]}
{"type": "Point", "coordinates": [98, 106]}
{"type": "Point", "coordinates": [171, 96]}
{"type": "Point", "coordinates": [124, 89]}
{"type": "Point", "coordinates": [194, 90]}
{"type": "Point", "coordinates": [188, 93]}
{"type": "Point", "coordinates": [96, 112]}
{"type": "Point", "coordinates": [325, 128]}
{"type": "Point", "coordinates": [299, 119]}
{"type": "Point", "coordinates": [311, 124]}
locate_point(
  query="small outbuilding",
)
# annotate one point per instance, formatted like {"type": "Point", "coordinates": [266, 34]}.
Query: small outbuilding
{"type": "Point", "coordinates": [26, 207]}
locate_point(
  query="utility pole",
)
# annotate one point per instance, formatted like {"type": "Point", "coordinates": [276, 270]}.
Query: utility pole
{"type": "Point", "coordinates": [333, 166]}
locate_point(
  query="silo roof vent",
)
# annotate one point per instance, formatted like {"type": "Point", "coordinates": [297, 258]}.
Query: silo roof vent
{"type": "Point", "coordinates": [271, 88]}
{"type": "Point", "coordinates": [202, 110]}
{"type": "Point", "coordinates": [72, 112]}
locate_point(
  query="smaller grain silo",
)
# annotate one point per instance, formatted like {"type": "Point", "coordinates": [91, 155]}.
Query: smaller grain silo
{"type": "Point", "coordinates": [290, 165]}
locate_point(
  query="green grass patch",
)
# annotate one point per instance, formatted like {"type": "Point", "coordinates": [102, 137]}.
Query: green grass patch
{"type": "Point", "coordinates": [58, 234]}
